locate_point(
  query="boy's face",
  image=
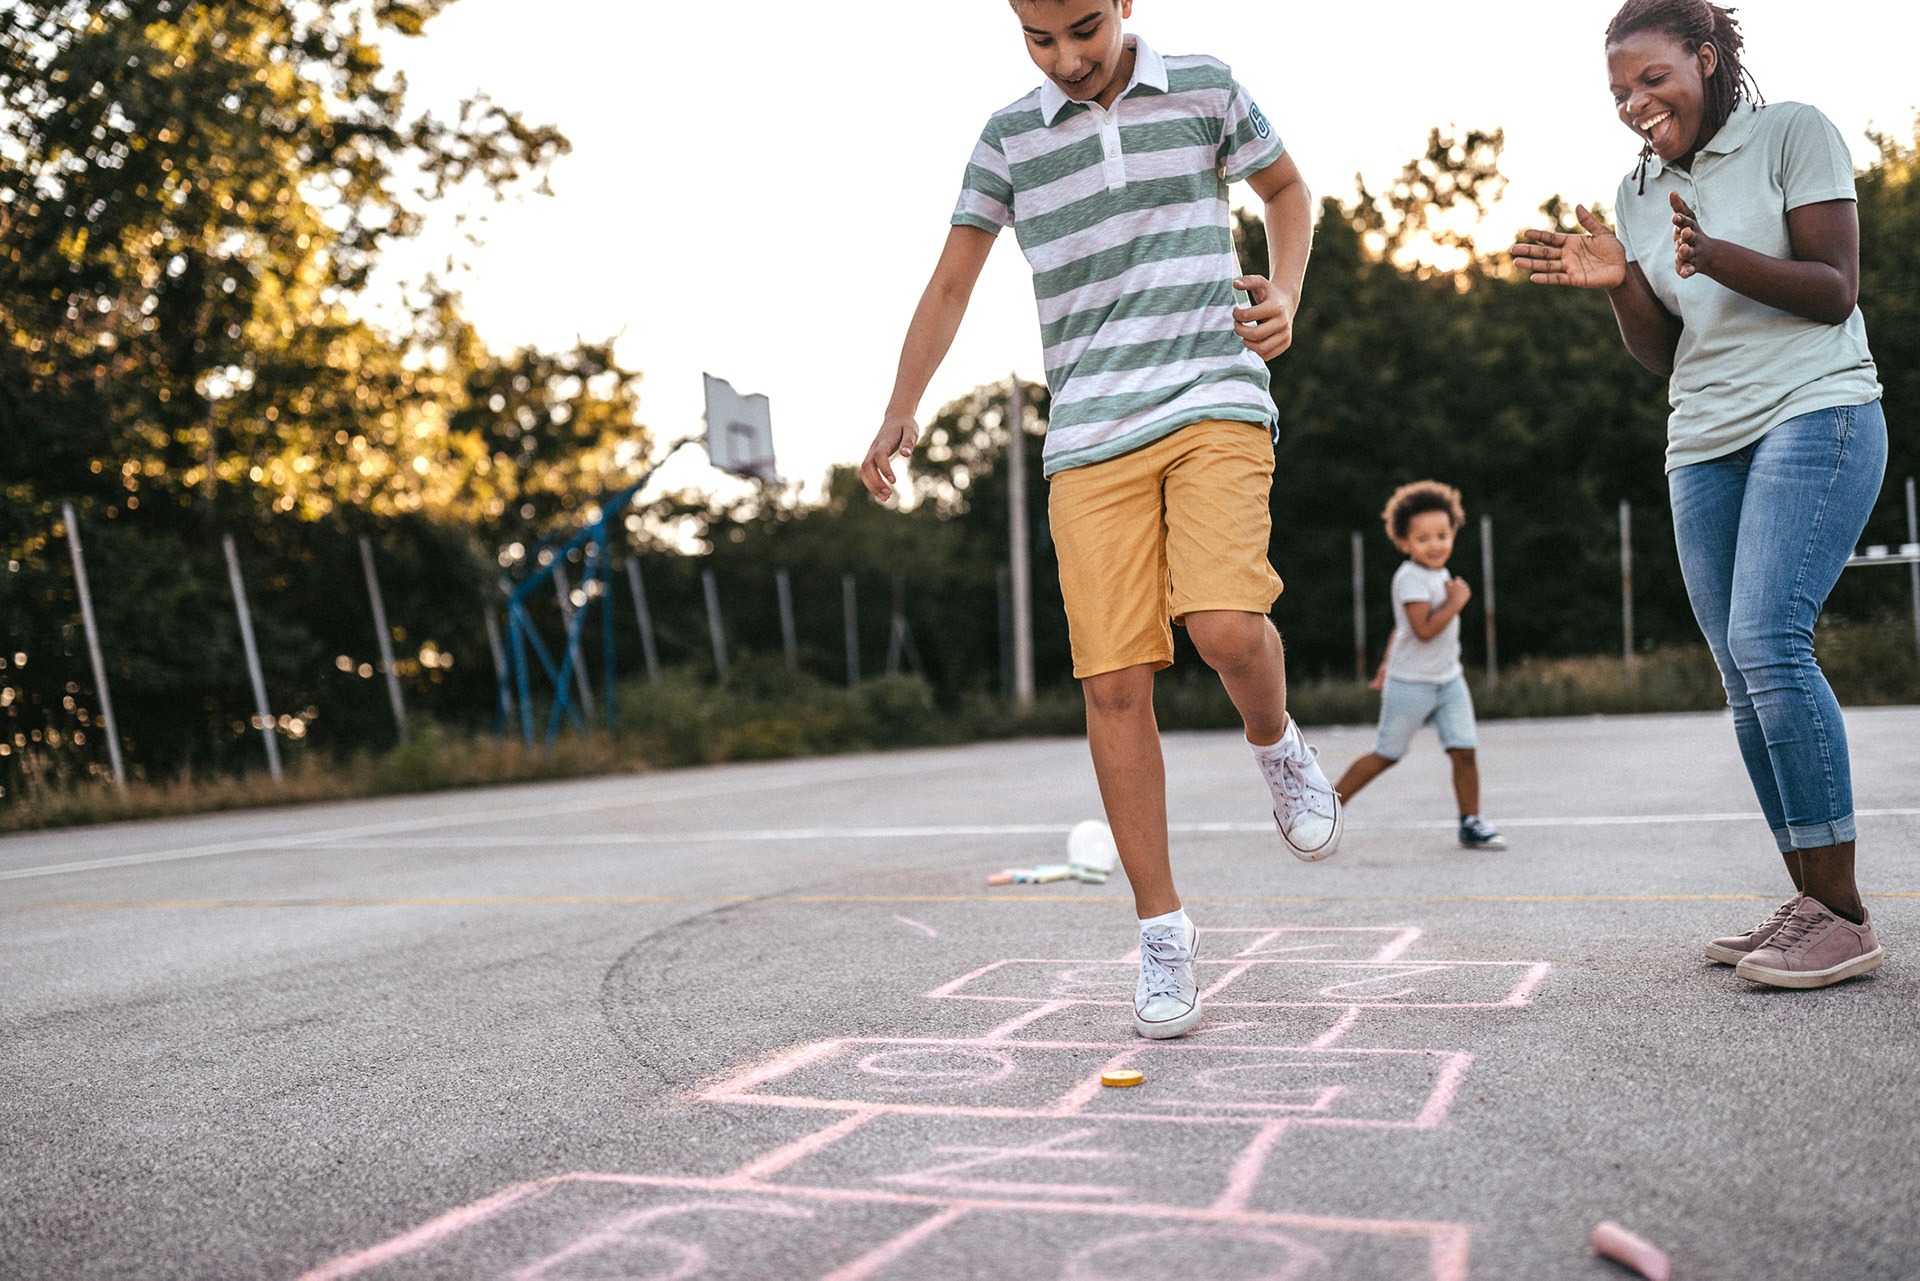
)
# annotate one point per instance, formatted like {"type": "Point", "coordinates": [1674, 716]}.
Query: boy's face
{"type": "Point", "coordinates": [1077, 44]}
{"type": "Point", "coordinates": [1429, 539]}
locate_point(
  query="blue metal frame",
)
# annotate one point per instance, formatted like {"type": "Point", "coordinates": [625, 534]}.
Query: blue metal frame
{"type": "Point", "coordinates": [593, 540]}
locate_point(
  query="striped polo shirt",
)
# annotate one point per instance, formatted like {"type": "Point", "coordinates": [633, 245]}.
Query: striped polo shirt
{"type": "Point", "coordinates": [1122, 214]}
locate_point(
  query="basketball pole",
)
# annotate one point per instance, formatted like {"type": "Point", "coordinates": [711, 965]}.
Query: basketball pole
{"type": "Point", "coordinates": [1019, 553]}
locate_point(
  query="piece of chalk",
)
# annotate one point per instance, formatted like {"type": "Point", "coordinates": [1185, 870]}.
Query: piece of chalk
{"type": "Point", "coordinates": [1120, 1078]}
{"type": "Point", "coordinates": [1001, 878]}
{"type": "Point", "coordinates": [1615, 1242]}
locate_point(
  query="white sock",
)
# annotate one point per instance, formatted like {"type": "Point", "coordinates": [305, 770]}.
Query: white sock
{"type": "Point", "coordinates": [1273, 751]}
{"type": "Point", "coordinates": [1176, 917]}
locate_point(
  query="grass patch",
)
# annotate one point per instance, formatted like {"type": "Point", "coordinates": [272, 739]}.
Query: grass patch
{"type": "Point", "coordinates": [766, 714]}
{"type": "Point", "coordinates": [436, 760]}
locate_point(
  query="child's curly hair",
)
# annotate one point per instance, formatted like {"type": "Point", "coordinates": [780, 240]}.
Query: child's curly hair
{"type": "Point", "coordinates": [1420, 496]}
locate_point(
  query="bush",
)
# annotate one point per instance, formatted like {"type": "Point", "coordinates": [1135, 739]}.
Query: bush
{"type": "Point", "coordinates": [766, 713]}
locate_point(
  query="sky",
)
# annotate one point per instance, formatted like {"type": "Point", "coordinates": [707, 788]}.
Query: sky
{"type": "Point", "coordinates": [758, 189]}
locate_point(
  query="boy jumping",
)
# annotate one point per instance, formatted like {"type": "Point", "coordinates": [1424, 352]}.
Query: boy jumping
{"type": "Point", "coordinates": [1113, 175]}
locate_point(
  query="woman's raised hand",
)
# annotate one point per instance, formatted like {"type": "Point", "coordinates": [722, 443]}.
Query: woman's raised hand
{"type": "Point", "coordinates": [1596, 260]}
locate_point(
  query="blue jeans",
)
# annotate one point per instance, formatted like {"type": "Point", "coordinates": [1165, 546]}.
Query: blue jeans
{"type": "Point", "coordinates": [1763, 535]}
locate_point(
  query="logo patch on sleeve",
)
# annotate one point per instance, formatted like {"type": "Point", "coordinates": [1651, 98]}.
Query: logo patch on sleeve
{"type": "Point", "coordinates": [1260, 125]}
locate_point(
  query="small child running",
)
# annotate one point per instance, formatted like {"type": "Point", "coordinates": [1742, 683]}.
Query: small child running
{"type": "Point", "coordinates": [1421, 678]}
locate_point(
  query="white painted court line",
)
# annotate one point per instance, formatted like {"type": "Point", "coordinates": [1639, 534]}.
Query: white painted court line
{"type": "Point", "coordinates": [364, 837]}
{"type": "Point", "coordinates": [345, 837]}
{"type": "Point", "coordinates": [749, 836]}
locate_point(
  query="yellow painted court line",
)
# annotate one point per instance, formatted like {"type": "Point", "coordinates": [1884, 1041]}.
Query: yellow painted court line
{"type": "Point", "coordinates": [1009, 899]}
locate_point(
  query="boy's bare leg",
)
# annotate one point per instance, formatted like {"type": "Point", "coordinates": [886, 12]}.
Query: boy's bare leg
{"type": "Point", "coordinates": [1360, 773]}
{"type": "Point", "coordinates": [1466, 779]}
{"type": "Point", "coordinates": [1125, 741]}
{"type": "Point", "coordinates": [1246, 652]}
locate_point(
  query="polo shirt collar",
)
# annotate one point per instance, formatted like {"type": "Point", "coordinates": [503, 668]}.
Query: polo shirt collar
{"type": "Point", "coordinates": [1149, 70]}
{"type": "Point", "coordinates": [1726, 140]}
{"type": "Point", "coordinates": [1738, 128]}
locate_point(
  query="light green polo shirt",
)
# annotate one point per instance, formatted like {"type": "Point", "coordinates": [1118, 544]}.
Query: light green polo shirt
{"type": "Point", "coordinates": [1743, 368]}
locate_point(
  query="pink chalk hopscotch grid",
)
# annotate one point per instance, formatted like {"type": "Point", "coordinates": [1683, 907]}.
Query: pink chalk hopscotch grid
{"type": "Point", "coordinates": [1051, 1175]}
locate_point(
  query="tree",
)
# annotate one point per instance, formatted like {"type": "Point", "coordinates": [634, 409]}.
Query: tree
{"type": "Point", "coordinates": [192, 196]}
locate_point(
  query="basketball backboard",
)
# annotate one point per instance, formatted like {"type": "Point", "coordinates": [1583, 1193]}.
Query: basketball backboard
{"type": "Point", "coordinates": [739, 432]}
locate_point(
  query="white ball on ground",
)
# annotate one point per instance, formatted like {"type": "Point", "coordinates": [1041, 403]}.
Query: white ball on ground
{"type": "Point", "coordinates": [1090, 844]}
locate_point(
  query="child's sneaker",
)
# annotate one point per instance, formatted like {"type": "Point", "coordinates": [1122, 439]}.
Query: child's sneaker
{"type": "Point", "coordinates": [1478, 834]}
{"type": "Point", "coordinates": [1733, 948]}
{"type": "Point", "coordinates": [1167, 1001]}
{"type": "Point", "coordinates": [1813, 947]}
{"type": "Point", "coordinates": [1305, 808]}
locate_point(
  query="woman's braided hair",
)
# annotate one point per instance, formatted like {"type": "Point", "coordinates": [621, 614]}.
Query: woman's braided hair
{"type": "Point", "coordinates": [1694, 23]}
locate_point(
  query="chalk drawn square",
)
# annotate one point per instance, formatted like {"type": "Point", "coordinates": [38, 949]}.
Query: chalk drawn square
{"type": "Point", "coordinates": [1080, 1160]}
{"type": "Point", "coordinates": [1091, 1244]}
{"type": "Point", "coordinates": [1108, 982]}
{"type": "Point", "coordinates": [591, 1227]}
{"type": "Point", "coordinates": [1307, 942]}
{"type": "Point", "coordinates": [1194, 1080]}
{"type": "Point", "coordinates": [923, 1075]}
{"type": "Point", "coordinates": [1235, 983]}
{"type": "Point", "coordinates": [1113, 1024]}
{"type": "Point", "coordinates": [1419, 985]}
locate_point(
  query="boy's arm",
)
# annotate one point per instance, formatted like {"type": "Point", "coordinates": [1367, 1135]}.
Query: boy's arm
{"type": "Point", "coordinates": [1379, 680]}
{"type": "Point", "coordinates": [1427, 620]}
{"type": "Point", "coordinates": [1266, 326]}
{"type": "Point", "coordinates": [935, 321]}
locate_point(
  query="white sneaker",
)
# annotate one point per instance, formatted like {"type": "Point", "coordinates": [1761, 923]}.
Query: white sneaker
{"type": "Point", "coordinates": [1167, 1001]}
{"type": "Point", "coordinates": [1305, 807]}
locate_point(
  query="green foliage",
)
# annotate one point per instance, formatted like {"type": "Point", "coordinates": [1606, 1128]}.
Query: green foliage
{"type": "Point", "coordinates": [1453, 173]}
{"type": "Point", "coordinates": [680, 720]}
{"type": "Point", "coordinates": [191, 194]}
{"type": "Point", "coordinates": [1525, 398]}
{"type": "Point", "coordinates": [190, 197]}
{"type": "Point", "coordinates": [1890, 301]}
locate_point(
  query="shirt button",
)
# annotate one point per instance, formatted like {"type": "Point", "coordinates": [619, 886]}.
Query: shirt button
{"type": "Point", "coordinates": [1113, 153]}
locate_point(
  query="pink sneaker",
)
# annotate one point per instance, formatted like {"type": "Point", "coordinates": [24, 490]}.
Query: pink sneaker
{"type": "Point", "coordinates": [1813, 947]}
{"type": "Point", "coordinates": [1733, 948]}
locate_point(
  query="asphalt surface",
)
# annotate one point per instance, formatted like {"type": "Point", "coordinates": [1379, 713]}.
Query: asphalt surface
{"type": "Point", "coordinates": [768, 1021]}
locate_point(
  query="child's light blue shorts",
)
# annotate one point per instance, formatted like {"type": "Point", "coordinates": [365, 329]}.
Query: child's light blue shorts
{"type": "Point", "coordinates": [1407, 705]}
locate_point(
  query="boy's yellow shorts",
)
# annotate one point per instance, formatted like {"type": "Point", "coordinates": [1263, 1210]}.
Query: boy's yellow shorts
{"type": "Point", "coordinates": [1147, 538]}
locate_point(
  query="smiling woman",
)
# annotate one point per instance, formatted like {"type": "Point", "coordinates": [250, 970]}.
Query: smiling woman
{"type": "Point", "coordinates": [1736, 272]}
{"type": "Point", "coordinates": [1677, 105]}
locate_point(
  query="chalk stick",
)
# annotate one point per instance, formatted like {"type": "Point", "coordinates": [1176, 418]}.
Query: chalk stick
{"type": "Point", "coordinates": [1001, 878]}
{"type": "Point", "coordinates": [1612, 1241]}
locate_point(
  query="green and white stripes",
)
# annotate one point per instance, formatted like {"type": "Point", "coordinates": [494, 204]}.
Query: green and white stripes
{"type": "Point", "coordinates": [1122, 214]}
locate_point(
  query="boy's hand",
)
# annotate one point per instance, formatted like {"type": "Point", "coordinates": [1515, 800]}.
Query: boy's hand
{"type": "Point", "coordinates": [1379, 680]}
{"type": "Point", "coordinates": [897, 436]}
{"type": "Point", "coordinates": [1458, 593]}
{"type": "Point", "coordinates": [1266, 326]}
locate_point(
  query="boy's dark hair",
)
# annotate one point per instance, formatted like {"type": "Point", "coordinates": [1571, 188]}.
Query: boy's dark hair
{"type": "Point", "coordinates": [1416, 498]}
{"type": "Point", "coordinates": [1693, 23]}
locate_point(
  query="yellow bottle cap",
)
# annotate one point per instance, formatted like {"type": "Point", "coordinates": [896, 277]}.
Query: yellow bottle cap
{"type": "Point", "coordinates": [1123, 1077]}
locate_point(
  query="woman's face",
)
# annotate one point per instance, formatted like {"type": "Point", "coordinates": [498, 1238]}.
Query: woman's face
{"type": "Point", "coordinates": [1660, 90]}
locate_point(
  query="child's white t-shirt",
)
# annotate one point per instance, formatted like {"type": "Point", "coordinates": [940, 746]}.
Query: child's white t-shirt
{"type": "Point", "coordinates": [1428, 662]}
